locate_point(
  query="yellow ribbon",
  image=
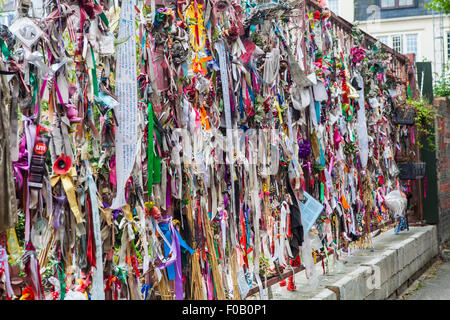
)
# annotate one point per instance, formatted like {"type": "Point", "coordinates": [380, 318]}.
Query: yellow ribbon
{"type": "Point", "coordinates": [277, 105]}
{"type": "Point", "coordinates": [196, 26]}
{"type": "Point", "coordinates": [69, 188]}
{"type": "Point", "coordinates": [24, 297]}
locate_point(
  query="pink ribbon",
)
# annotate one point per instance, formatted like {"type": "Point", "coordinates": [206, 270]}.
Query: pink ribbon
{"type": "Point", "coordinates": [5, 266]}
{"type": "Point", "coordinates": [208, 282]}
{"type": "Point", "coordinates": [425, 185]}
{"type": "Point", "coordinates": [112, 172]}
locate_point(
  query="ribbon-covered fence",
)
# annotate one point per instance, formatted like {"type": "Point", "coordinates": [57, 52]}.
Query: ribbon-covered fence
{"type": "Point", "coordinates": [192, 149]}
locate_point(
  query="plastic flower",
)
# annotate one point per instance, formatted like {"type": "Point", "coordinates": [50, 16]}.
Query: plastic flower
{"type": "Point", "coordinates": [62, 164]}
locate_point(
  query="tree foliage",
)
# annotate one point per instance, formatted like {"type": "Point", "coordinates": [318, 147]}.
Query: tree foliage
{"type": "Point", "coordinates": [439, 5]}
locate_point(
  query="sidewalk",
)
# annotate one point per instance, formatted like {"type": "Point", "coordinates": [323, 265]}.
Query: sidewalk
{"type": "Point", "coordinates": [396, 258]}
{"type": "Point", "coordinates": [434, 284]}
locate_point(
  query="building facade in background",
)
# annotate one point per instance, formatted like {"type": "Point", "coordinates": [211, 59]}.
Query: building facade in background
{"type": "Point", "coordinates": [343, 8]}
{"type": "Point", "coordinates": [408, 27]}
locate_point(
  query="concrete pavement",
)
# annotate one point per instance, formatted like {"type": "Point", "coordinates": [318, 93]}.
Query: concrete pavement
{"type": "Point", "coordinates": [434, 284]}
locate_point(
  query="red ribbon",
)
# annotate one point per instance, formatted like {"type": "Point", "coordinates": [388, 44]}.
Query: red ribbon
{"type": "Point", "coordinates": [91, 247]}
{"type": "Point", "coordinates": [113, 280]}
{"type": "Point", "coordinates": [133, 261]}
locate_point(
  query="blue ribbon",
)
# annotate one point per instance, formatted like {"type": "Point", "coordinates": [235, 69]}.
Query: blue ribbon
{"type": "Point", "coordinates": [317, 104]}
{"type": "Point", "coordinates": [145, 289]}
{"type": "Point", "coordinates": [174, 267]}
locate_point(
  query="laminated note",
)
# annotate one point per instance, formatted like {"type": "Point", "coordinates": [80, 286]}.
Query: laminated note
{"type": "Point", "coordinates": [126, 92]}
{"type": "Point", "coordinates": [310, 210]}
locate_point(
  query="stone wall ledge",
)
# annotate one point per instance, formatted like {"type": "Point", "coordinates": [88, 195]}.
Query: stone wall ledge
{"type": "Point", "coordinates": [398, 258]}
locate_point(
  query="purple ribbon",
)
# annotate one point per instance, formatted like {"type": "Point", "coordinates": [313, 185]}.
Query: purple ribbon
{"type": "Point", "coordinates": [225, 201]}
{"type": "Point", "coordinates": [21, 164]}
{"type": "Point", "coordinates": [115, 212]}
{"type": "Point", "coordinates": [175, 247]}
{"type": "Point", "coordinates": [60, 202]}
{"type": "Point", "coordinates": [304, 148]}
{"type": "Point", "coordinates": [178, 271]}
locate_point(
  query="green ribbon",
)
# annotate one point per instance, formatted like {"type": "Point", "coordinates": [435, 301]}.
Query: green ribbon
{"type": "Point", "coordinates": [136, 251]}
{"type": "Point", "coordinates": [322, 194]}
{"type": "Point", "coordinates": [61, 277]}
{"type": "Point", "coordinates": [216, 247]}
{"type": "Point", "coordinates": [212, 280]}
{"type": "Point", "coordinates": [144, 40]}
{"type": "Point", "coordinates": [157, 160]}
{"type": "Point", "coordinates": [103, 16]}
{"type": "Point", "coordinates": [4, 49]}
{"type": "Point", "coordinates": [33, 82]}
{"type": "Point", "coordinates": [150, 151]}
{"type": "Point", "coordinates": [94, 74]}
{"type": "Point", "coordinates": [153, 162]}
{"type": "Point", "coordinates": [121, 274]}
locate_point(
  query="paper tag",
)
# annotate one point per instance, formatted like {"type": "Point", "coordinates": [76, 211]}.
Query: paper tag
{"type": "Point", "coordinates": [320, 92]}
{"type": "Point", "coordinates": [106, 45]}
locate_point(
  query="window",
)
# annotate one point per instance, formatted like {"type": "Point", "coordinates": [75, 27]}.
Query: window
{"type": "Point", "coordinates": [397, 43]}
{"type": "Point", "coordinates": [411, 43]}
{"type": "Point", "coordinates": [333, 5]}
{"type": "Point", "coordinates": [396, 4]}
{"type": "Point", "coordinates": [387, 4]}
{"type": "Point", "coordinates": [384, 40]}
{"type": "Point", "coordinates": [405, 3]}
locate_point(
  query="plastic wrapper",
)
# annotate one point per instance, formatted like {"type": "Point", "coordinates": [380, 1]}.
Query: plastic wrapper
{"type": "Point", "coordinates": [74, 295]}
{"type": "Point", "coordinates": [397, 202]}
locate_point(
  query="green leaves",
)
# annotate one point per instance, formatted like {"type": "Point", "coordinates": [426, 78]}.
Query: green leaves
{"type": "Point", "coordinates": [442, 85]}
{"type": "Point", "coordinates": [439, 5]}
{"type": "Point", "coordinates": [424, 121]}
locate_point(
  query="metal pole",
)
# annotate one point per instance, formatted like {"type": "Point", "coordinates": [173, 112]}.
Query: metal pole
{"type": "Point", "coordinates": [441, 34]}
{"type": "Point", "coordinates": [434, 42]}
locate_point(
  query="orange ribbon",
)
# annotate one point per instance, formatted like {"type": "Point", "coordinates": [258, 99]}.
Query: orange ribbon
{"type": "Point", "coordinates": [197, 65]}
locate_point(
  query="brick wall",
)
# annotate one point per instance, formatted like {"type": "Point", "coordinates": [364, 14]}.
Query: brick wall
{"type": "Point", "coordinates": [443, 167]}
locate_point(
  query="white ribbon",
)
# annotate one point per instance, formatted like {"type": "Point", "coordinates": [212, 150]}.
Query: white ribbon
{"type": "Point", "coordinates": [226, 100]}
{"type": "Point", "coordinates": [363, 139]}
{"type": "Point", "coordinates": [97, 279]}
